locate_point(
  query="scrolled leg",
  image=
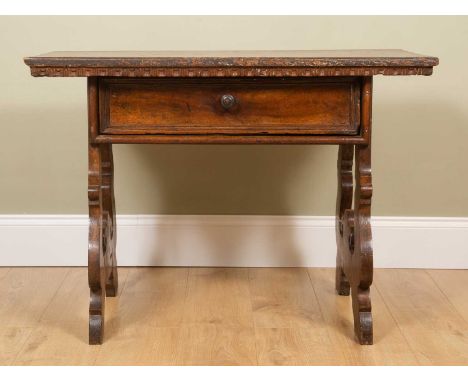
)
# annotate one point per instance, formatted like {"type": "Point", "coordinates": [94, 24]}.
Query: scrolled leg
{"type": "Point", "coordinates": [96, 266]}
{"type": "Point", "coordinates": [344, 202]}
{"type": "Point", "coordinates": [109, 228]}
{"type": "Point", "coordinates": [354, 235]}
{"type": "Point", "coordinates": [361, 262]}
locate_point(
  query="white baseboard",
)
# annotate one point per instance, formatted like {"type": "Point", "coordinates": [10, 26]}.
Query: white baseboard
{"type": "Point", "coordinates": [253, 241]}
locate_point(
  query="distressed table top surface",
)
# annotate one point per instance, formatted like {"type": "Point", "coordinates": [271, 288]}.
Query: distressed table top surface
{"type": "Point", "coordinates": [230, 63]}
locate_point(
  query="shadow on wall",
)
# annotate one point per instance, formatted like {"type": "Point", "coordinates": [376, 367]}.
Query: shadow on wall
{"type": "Point", "coordinates": [223, 180]}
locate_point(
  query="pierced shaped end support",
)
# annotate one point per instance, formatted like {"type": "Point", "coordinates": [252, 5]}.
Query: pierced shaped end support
{"type": "Point", "coordinates": [354, 268]}
{"type": "Point", "coordinates": [102, 262]}
{"type": "Point", "coordinates": [354, 243]}
{"type": "Point", "coordinates": [344, 202]}
{"type": "Point", "coordinates": [109, 230]}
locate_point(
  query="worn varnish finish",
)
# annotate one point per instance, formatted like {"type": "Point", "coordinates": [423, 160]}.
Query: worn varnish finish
{"type": "Point", "coordinates": [256, 106]}
{"type": "Point", "coordinates": [299, 63]}
{"type": "Point", "coordinates": [244, 97]}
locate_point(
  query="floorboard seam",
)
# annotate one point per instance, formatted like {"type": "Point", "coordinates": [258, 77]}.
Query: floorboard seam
{"type": "Point", "coordinates": [323, 317]}
{"type": "Point", "coordinates": [376, 289]}
{"type": "Point", "coordinates": [446, 297]}
{"type": "Point", "coordinates": [253, 318]}
{"type": "Point", "coordinates": [26, 341]}
{"type": "Point", "coordinates": [182, 323]}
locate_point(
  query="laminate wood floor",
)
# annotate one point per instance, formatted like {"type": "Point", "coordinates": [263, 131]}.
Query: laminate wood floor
{"type": "Point", "coordinates": [232, 316]}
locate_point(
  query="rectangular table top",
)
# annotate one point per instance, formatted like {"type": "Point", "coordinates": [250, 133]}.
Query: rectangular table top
{"type": "Point", "coordinates": [230, 63]}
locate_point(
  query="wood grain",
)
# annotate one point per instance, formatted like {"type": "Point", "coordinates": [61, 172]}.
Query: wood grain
{"type": "Point", "coordinates": [235, 57]}
{"type": "Point", "coordinates": [102, 236]}
{"type": "Point", "coordinates": [58, 345]}
{"type": "Point", "coordinates": [70, 302]}
{"type": "Point", "coordinates": [141, 345]}
{"type": "Point", "coordinates": [11, 341]}
{"type": "Point", "coordinates": [234, 72]}
{"type": "Point", "coordinates": [344, 202]}
{"type": "Point", "coordinates": [250, 109]}
{"type": "Point", "coordinates": [208, 303]}
{"type": "Point", "coordinates": [390, 346]}
{"type": "Point", "coordinates": [159, 280]}
{"type": "Point", "coordinates": [231, 63]}
{"type": "Point", "coordinates": [260, 106]}
{"type": "Point", "coordinates": [18, 308]}
{"type": "Point", "coordinates": [283, 298]}
{"type": "Point", "coordinates": [217, 345]}
{"type": "Point", "coordinates": [154, 297]}
{"type": "Point", "coordinates": [418, 322]}
{"type": "Point", "coordinates": [453, 284]}
{"type": "Point", "coordinates": [205, 344]}
{"type": "Point", "coordinates": [296, 347]}
{"type": "Point", "coordinates": [215, 139]}
{"type": "Point", "coordinates": [435, 331]}
{"type": "Point", "coordinates": [354, 263]}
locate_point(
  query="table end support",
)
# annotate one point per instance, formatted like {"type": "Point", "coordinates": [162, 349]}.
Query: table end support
{"type": "Point", "coordinates": [102, 261]}
{"type": "Point", "coordinates": [109, 229]}
{"type": "Point", "coordinates": [354, 261]}
{"type": "Point", "coordinates": [354, 270]}
{"type": "Point", "coordinates": [344, 202]}
{"type": "Point", "coordinates": [96, 265]}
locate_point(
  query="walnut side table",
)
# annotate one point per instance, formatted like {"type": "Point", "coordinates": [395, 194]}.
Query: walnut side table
{"type": "Point", "coordinates": [237, 97]}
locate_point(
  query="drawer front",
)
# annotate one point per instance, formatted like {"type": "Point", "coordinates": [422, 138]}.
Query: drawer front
{"type": "Point", "coordinates": [230, 106]}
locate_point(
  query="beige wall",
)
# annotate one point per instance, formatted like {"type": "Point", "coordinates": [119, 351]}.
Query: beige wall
{"type": "Point", "coordinates": [420, 123]}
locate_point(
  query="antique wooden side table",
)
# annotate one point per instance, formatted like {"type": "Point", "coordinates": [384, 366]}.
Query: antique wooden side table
{"type": "Point", "coordinates": [238, 97]}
